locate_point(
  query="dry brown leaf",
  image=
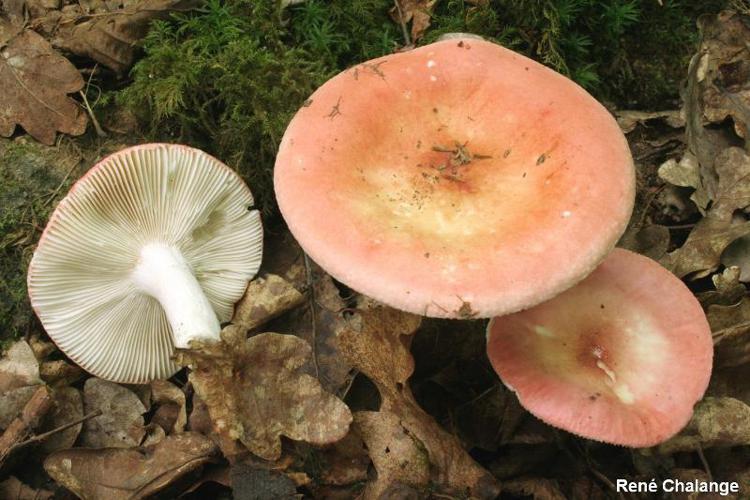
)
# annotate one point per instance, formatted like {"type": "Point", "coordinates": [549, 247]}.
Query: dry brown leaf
{"type": "Point", "coordinates": [256, 392]}
{"type": "Point", "coordinates": [121, 423]}
{"type": "Point", "coordinates": [266, 297]}
{"type": "Point", "coordinates": [109, 36]}
{"type": "Point", "coordinates": [35, 81]}
{"type": "Point", "coordinates": [172, 407]}
{"type": "Point", "coordinates": [715, 422]}
{"type": "Point", "coordinates": [346, 461]}
{"type": "Point", "coordinates": [18, 367]}
{"type": "Point", "coordinates": [702, 251]}
{"type": "Point", "coordinates": [418, 12]}
{"type": "Point", "coordinates": [731, 331]}
{"type": "Point", "coordinates": [14, 489]}
{"type": "Point", "coordinates": [629, 119]}
{"type": "Point", "coordinates": [116, 473]}
{"type": "Point", "coordinates": [59, 373]}
{"type": "Point", "coordinates": [377, 343]}
{"type": "Point", "coordinates": [398, 457]}
{"type": "Point", "coordinates": [738, 254]}
{"type": "Point", "coordinates": [68, 408]}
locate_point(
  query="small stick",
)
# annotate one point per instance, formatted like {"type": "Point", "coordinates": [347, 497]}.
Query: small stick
{"type": "Point", "coordinates": [99, 131]}
{"type": "Point", "coordinates": [29, 419]}
{"type": "Point", "coordinates": [699, 449]}
{"type": "Point", "coordinates": [407, 38]}
{"type": "Point", "coordinates": [45, 435]}
{"type": "Point", "coordinates": [313, 316]}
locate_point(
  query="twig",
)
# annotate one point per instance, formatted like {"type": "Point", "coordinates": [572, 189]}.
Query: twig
{"type": "Point", "coordinates": [62, 183]}
{"type": "Point", "coordinates": [29, 419]}
{"type": "Point", "coordinates": [98, 128]}
{"type": "Point", "coordinates": [407, 38]}
{"type": "Point", "coordinates": [699, 449]}
{"type": "Point", "coordinates": [45, 435]}
{"type": "Point", "coordinates": [313, 316]}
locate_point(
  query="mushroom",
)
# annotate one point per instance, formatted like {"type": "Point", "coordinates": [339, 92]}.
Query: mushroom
{"type": "Point", "coordinates": [148, 251]}
{"type": "Point", "coordinates": [459, 179]}
{"type": "Point", "coordinates": [622, 357]}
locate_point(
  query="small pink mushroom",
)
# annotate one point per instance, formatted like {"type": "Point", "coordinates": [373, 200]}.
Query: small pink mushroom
{"type": "Point", "coordinates": [622, 357]}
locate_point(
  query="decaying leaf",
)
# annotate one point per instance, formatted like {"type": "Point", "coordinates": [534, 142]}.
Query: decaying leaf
{"type": "Point", "coordinates": [133, 473]}
{"type": "Point", "coordinates": [171, 414]}
{"type": "Point", "coordinates": [19, 376]}
{"type": "Point", "coordinates": [702, 251]}
{"type": "Point", "coordinates": [346, 461]}
{"type": "Point", "coordinates": [418, 12]}
{"type": "Point", "coordinates": [108, 32]}
{"type": "Point", "coordinates": [377, 343]}
{"type": "Point", "coordinates": [121, 423]}
{"type": "Point", "coordinates": [14, 489]}
{"type": "Point", "coordinates": [256, 392]}
{"type": "Point", "coordinates": [716, 422]}
{"type": "Point", "coordinates": [730, 325]}
{"type": "Point", "coordinates": [686, 173]}
{"type": "Point", "coordinates": [628, 119]}
{"type": "Point", "coordinates": [266, 297]}
{"type": "Point", "coordinates": [68, 408]}
{"type": "Point", "coordinates": [399, 457]}
{"type": "Point", "coordinates": [18, 367]}
{"type": "Point", "coordinates": [35, 81]}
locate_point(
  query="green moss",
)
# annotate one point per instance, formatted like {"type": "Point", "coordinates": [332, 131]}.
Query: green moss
{"type": "Point", "coordinates": [31, 182]}
{"type": "Point", "coordinates": [228, 77]}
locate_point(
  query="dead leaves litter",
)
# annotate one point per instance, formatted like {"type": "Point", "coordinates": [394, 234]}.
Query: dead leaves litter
{"type": "Point", "coordinates": [131, 473]}
{"type": "Point", "coordinates": [377, 343]}
{"type": "Point", "coordinates": [418, 12]}
{"type": "Point", "coordinates": [35, 81]}
{"type": "Point", "coordinates": [121, 423]}
{"type": "Point", "coordinates": [256, 392]}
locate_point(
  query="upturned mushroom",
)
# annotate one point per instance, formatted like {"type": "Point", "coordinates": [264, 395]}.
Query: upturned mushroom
{"type": "Point", "coordinates": [148, 251]}
{"type": "Point", "coordinates": [459, 179]}
{"type": "Point", "coordinates": [622, 357]}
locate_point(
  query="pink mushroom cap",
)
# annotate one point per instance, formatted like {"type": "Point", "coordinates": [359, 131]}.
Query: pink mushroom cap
{"type": "Point", "coordinates": [622, 357]}
{"type": "Point", "coordinates": [459, 179]}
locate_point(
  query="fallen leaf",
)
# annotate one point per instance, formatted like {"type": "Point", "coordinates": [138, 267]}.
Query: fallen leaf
{"type": "Point", "coordinates": [68, 408]}
{"type": "Point", "coordinates": [346, 461]}
{"type": "Point", "coordinates": [730, 325]}
{"type": "Point", "coordinates": [266, 297]}
{"type": "Point", "coordinates": [36, 80]}
{"type": "Point", "coordinates": [15, 489]}
{"type": "Point", "coordinates": [18, 367]}
{"type": "Point", "coordinates": [59, 373]}
{"type": "Point", "coordinates": [133, 473]}
{"type": "Point", "coordinates": [252, 483]}
{"type": "Point", "coordinates": [376, 342]}
{"type": "Point", "coordinates": [398, 457]}
{"type": "Point", "coordinates": [702, 250]}
{"type": "Point", "coordinates": [121, 423]}
{"type": "Point", "coordinates": [715, 422]}
{"type": "Point", "coordinates": [12, 402]}
{"type": "Point", "coordinates": [629, 119]}
{"type": "Point", "coordinates": [418, 12]}
{"type": "Point", "coordinates": [686, 173]}
{"type": "Point", "coordinates": [172, 413]}
{"type": "Point", "coordinates": [110, 35]}
{"type": "Point", "coordinates": [256, 392]}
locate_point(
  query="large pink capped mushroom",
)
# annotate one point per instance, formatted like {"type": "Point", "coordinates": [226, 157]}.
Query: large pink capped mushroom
{"type": "Point", "coordinates": [622, 357]}
{"type": "Point", "coordinates": [459, 179]}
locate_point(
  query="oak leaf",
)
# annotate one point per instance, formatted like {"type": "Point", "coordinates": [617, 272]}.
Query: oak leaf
{"type": "Point", "coordinates": [35, 81]}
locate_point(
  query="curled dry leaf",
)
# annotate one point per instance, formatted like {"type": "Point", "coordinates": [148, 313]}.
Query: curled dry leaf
{"type": "Point", "coordinates": [376, 342]}
{"type": "Point", "coordinates": [686, 173]}
{"type": "Point", "coordinates": [716, 422]}
{"type": "Point", "coordinates": [629, 119]}
{"type": "Point", "coordinates": [418, 12]}
{"type": "Point", "coordinates": [702, 250]}
{"type": "Point", "coordinates": [108, 32]}
{"type": "Point", "coordinates": [35, 81]}
{"type": "Point", "coordinates": [737, 254]}
{"type": "Point", "coordinates": [121, 423]}
{"type": "Point", "coordinates": [266, 297]}
{"type": "Point", "coordinates": [133, 473]}
{"type": "Point", "coordinates": [256, 392]}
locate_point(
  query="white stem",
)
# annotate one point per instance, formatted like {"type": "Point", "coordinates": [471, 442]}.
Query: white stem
{"type": "Point", "coordinates": [163, 273]}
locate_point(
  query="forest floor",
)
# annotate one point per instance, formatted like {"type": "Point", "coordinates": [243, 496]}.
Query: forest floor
{"type": "Point", "coordinates": [430, 416]}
